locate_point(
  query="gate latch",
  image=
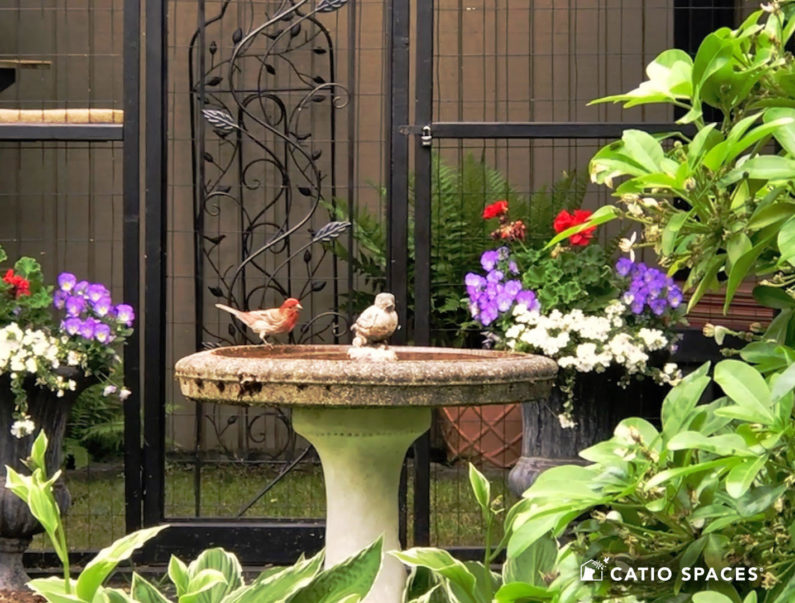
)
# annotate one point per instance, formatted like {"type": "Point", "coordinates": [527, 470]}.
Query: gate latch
{"type": "Point", "coordinates": [426, 138]}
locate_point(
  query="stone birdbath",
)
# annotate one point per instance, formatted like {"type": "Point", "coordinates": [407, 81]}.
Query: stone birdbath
{"type": "Point", "coordinates": [361, 418]}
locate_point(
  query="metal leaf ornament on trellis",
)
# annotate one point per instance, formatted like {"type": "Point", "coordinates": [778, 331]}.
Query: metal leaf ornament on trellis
{"type": "Point", "coordinates": [330, 231]}
{"type": "Point", "coordinates": [220, 119]}
{"type": "Point", "coordinates": [329, 6]}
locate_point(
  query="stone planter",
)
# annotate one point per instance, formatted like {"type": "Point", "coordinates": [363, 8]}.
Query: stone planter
{"type": "Point", "coordinates": [483, 433]}
{"type": "Point", "coordinates": [599, 405]}
{"type": "Point", "coordinates": [17, 525]}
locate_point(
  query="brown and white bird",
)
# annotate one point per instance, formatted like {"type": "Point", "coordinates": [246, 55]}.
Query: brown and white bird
{"type": "Point", "coordinates": [377, 322]}
{"type": "Point", "coordinates": [270, 321]}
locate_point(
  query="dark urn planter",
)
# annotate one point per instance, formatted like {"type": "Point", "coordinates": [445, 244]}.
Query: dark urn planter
{"type": "Point", "coordinates": [17, 525]}
{"type": "Point", "coordinates": [599, 405]}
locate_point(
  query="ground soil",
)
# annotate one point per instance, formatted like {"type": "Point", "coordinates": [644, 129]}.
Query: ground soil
{"type": "Point", "coordinates": [20, 596]}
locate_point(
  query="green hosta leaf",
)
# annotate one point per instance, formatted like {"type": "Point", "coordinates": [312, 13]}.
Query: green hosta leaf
{"type": "Point", "coordinates": [227, 564]}
{"type": "Point", "coordinates": [746, 387]}
{"type": "Point", "coordinates": [54, 590]}
{"type": "Point", "coordinates": [481, 488]}
{"type": "Point", "coordinates": [38, 451]}
{"type": "Point", "coordinates": [146, 592]}
{"type": "Point", "coordinates": [178, 573]}
{"type": "Point", "coordinates": [108, 558]}
{"type": "Point", "coordinates": [278, 584]}
{"type": "Point", "coordinates": [202, 582]}
{"type": "Point", "coordinates": [116, 595]}
{"type": "Point", "coordinates": [742, 476]}
{"type": "Point", "coordinates": [442, 563]}
{"type": "Point", "coordinates": [353, 576]}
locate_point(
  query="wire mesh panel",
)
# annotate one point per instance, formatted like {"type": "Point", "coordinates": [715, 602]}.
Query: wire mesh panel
{"type": "Point", "coordinates": [61, 203]}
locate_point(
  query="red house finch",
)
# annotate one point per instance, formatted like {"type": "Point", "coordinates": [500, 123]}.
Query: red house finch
{"type": "Point", "coordinates": [377, 322]}
{"type": "Point", "coordinates": [270, 321]}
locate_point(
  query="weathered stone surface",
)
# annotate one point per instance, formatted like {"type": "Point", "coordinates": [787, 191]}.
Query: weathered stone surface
{"type": "Point", "coordinates": [322, 375]}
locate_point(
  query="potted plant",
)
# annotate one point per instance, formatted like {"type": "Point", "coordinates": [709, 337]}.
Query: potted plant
{"type": "Point", "coordinates": [53, 344]}
{"type": "Point", "coordinates": [607, 323]}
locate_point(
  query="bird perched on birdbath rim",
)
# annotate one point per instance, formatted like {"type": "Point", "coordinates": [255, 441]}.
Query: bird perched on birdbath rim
{"type": "Point", "coordinates": [377, 323]}
{"type": "Point", "coordinates": [270, 321]}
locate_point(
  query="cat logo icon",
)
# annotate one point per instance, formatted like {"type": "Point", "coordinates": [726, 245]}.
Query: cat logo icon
{"type": "Point", "coordinates": [592, 571]}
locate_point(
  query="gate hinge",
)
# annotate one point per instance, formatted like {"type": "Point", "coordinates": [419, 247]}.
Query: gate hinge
{"type": "Point", "coordinates": [426, 137]}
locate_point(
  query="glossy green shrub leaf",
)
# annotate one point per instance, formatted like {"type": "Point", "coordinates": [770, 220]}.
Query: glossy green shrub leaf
{"type": "Point", "coordinates": [679, 404]}
{"type": "Point", "coordinates": [723, 445]}
{"type": "Point", "coordinates": [745, 386]}
{"type": "Point", "coordinates": [741, 476]}
{"type": "Point", "coordinates": [786, 239]}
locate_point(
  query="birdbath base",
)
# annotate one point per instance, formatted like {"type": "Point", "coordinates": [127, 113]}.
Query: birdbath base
{"type": "Point", "coordinates": [362, 452]}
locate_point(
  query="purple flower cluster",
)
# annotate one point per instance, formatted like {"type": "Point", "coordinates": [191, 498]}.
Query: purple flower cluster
{"type": "Point", "coordinates": [496, 293]}
{"type": "Point", "coordinates": [648, 287]}
{"type": "Point", "coordinates": [90, 312]}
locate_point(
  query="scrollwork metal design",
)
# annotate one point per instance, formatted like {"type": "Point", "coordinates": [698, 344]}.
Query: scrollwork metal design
{"type": "Point", "coordinates": [263, 101]}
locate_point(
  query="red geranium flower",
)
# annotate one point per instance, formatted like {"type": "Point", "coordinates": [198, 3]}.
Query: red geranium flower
{"type": "Point", "coordinates": [19, 284]}
{"type": "Point", "coordinates": [495, 210]}
{"type": "Point", "coordinates": [564, 220]}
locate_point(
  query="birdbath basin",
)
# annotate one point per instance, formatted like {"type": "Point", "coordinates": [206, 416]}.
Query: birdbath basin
{"type": "Point", "coordinates": [361, 418]}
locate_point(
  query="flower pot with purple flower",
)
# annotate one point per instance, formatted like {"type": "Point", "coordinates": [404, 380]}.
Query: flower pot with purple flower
{"type": "Point", "coordinates": [608, 324]}
{"type": "Point", "coordinates": [53, 344]}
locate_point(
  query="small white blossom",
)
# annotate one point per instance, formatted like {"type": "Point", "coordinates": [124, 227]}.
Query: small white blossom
{"type": "Point", "coordinates": [22, 427]}
{"type": "Point", "coordinates": [124, 394]}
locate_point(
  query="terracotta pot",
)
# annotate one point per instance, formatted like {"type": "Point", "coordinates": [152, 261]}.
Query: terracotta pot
{"type": "Point", "coordinates": [490, 433]}
{"type": "Point", "coordinates": [17, 525]}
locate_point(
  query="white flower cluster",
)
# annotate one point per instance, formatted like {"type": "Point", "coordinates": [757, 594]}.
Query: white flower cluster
{"type": "Point", "coordinates": [590, 343]}
{"type": "Point", "coordinates": [33, 352]}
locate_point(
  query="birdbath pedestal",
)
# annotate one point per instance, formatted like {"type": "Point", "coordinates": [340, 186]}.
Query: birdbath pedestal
{"type": "Point", "coordinates": [361, 417]}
